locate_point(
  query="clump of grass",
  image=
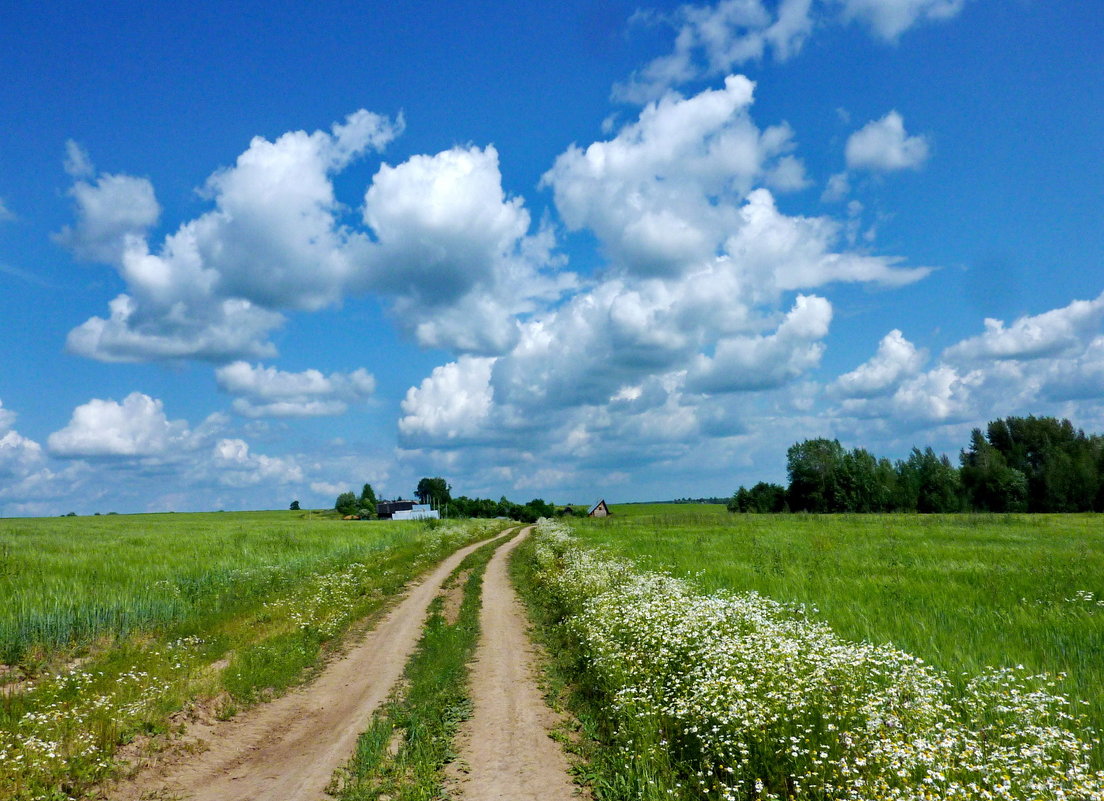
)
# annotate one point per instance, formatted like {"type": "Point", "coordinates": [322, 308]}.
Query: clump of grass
{"type": "Point", "coordinates": [402, 753]}
{"type": "Point", "coordinates": [736, 696]}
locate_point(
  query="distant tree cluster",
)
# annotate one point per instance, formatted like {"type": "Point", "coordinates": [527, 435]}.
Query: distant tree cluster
{"type": "Point", "coordinates": [697, 500]}
{"type": "Point", "coordinates": [437, 492]}
{"type": "Point", "coordinates": [434, 491]}
{"type": "Point", "coordinates": [349, 504]}
{"type": "Point", "coordinates": [530, 512]}
{"type": "Point", "coordinates": [1020, 464]}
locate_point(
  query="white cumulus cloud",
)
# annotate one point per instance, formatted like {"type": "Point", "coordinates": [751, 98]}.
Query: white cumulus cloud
{"type": "Point", "coordinates": [1033, 336]}
{"type": "Point", "coordinates": [18, 454]}
{"type": "Point", "coordinates": [662, 194]}
{"type": "Point", "coordinates": [883, 145]}
{"type": "Point", "coordinates": [766, 362]}
{"type": "Point", "coordinates": [896, 359]}
{"type": "Point", "coordinates": [136, 427]}
{"type": "Point", "coordinates": [112, 212]}
{"type": "Point", "coordinates": [269, 392]}
{"type": "Point", "coordinates": [237, 466]}
{"type": "Point", "coordinates": [215, 288]}
{"type": "Point", "coordinates": [451, 404]}
{"type": "Point", "coordinates": [454, 252]}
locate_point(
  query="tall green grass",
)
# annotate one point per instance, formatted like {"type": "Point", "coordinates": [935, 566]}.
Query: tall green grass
{"type": "Point", "coordinates": [66, 581]}
{"type": "Point", "coordinates": [963, 592]}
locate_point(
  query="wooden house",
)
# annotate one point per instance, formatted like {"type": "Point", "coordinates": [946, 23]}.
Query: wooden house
{"type": "Point", "coordinates": [599, 509]}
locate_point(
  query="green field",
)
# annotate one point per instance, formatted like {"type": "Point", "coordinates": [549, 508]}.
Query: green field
{"type": "Point", "coordinates": [110, 625]}
{"type": "Point", "coordinates": [65, 581]}
{"type": "Point", "coordinates": [963, 592]}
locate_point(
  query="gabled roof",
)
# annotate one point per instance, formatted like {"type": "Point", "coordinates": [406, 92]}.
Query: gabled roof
{"type": "Point", "coordinates": [602, 502]}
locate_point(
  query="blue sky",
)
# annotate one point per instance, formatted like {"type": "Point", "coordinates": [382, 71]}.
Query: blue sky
{"type": "Point", "coordinates": [252, 255]}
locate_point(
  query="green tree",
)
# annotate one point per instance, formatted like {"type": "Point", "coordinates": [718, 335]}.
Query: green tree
{"type": "Point", "coordinates": [927, 483]}
{"type": "Point", "coordinates": [989, 483]}
{"type": "Point", "coordinates": [435, 491]}
{"type": "Point", "coordinates": [763, 498]}
{"type": "Point", "coordinates": [814, 470]}
{"type": "Point", "coordinates": [294, 506]}
{"type": "Point", "coordinates": [367, 501]}
{"type": "Point", "coordinates": [346, 504]}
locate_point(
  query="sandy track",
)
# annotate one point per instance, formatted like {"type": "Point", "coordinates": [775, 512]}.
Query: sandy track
{"type": "Point", "coordinates": [506, 744]}
{"type": "Point", "coordinates": [288, 750]}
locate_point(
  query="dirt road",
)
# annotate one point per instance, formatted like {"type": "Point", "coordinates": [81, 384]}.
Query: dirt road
{"type": "Point", "coordinates": [506, 744]}
{"type": "Point", "coordinates": [288, 750]}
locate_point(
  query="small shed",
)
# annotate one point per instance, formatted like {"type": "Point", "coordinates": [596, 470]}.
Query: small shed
{"type": "Point", "coordinates": [599, 509]}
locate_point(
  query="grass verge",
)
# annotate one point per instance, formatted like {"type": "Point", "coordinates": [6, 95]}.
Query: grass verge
{"type": "Point", "coordinates": [403, 752]}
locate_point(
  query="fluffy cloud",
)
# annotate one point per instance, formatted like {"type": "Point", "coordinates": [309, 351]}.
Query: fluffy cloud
{"type": "Point", "coordinates": [118, 454]}
{"type": "Point", "coordinates": [269, 392]}
{"type": "Point", "coordinates": [896, 359]}
{"type": "Point", "coordinates": [104, 428]}
{"type": "Point", "coordinates": [453, 251]}
{"type": "Point", "coordinates": [452, 404]}
{"type": "Point", "coordinates": [441, 241]}
{"type": "Point", "coordinates": [883, 145]}
{"type": "Point", "coordinates": [214, 289]}
{"type": "Point", "coordinates": [1056, 356]}
{"type": "Point", "coordinates": [111, 212]}
{"type": "Point", "coordinates": [236, 466]}
{"type": "Point", "coordinates": [692, 310]}
{"type": "Point", "coordinates": [711, 40]}
{"type": "Point", "coordinates": [215, 331]}
{"type": "Point", "coordinates": [1033, 337]}
{"type": "Point", "coordinates": [660, 195]}
{"type": "Point", "coordinates": [888, 19]}
{"type": "Point", "coordinates": [1078, 378]}
{"type": "Point", "coordinates": [766, 362]}
{"type": "Point", "coordinates": [18, 454]}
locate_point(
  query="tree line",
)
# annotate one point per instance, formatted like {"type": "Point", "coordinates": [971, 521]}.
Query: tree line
{"type": "Point", "coordinates": [1019, 464]}
{"type": "Point", "coordinates": [437, 492]}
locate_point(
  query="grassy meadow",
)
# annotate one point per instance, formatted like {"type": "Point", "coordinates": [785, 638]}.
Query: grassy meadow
{"type": "Point", "coordinates": [963, 592]}
{"type": "Point", "coordinates": [67, 581]}
{"type": "Point", "coordinates": [800, 657]}
{"type": "Point", "coordinates": [110, 626]}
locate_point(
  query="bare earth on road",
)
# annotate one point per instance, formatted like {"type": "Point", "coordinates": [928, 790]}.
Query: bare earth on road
{"type": "Point", "coordinates": [288, 750]}
{"type": "Point", "coordinates": [506, 744]}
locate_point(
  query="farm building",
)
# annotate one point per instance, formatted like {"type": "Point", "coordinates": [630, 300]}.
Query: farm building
{"type": "Point", "coordinates": [419, 511]}
{"type": "Point", "coordinates": [599, 509]}
{"type": "Point", "coordinates": [385, 509]}
{"type": "Point", "coordinates": [405, 510]}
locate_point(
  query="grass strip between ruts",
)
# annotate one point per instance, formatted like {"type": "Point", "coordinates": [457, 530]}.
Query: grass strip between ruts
{"type": "Point", "coordinates": [402, 754]}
